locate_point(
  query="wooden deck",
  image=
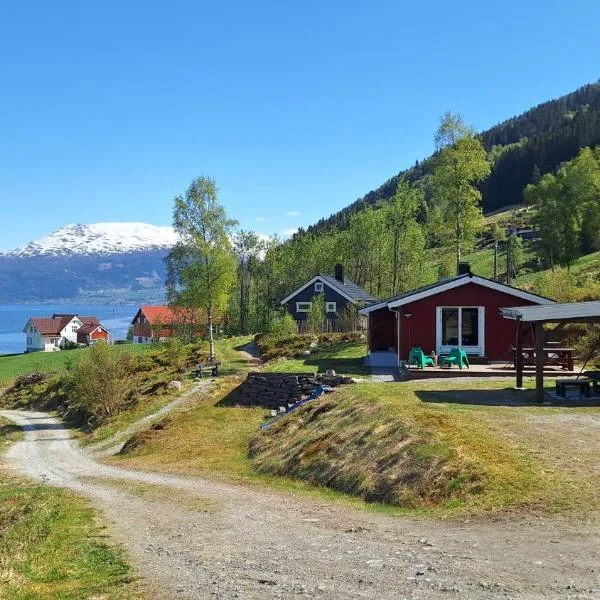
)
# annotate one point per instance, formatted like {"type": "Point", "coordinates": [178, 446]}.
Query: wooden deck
{"type": "Point", "coordinates": [487, 370]}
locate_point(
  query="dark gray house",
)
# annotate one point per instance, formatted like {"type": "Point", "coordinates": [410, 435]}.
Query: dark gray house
{"type": "Point", "coordinates": [338, 291]}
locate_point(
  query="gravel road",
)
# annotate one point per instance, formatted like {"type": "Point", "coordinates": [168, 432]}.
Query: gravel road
{"type": "Point", "coordinates": [261, 544]}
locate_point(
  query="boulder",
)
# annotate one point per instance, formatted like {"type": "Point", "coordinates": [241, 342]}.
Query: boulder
{"type": "Point", "coordinates": [174, 385]}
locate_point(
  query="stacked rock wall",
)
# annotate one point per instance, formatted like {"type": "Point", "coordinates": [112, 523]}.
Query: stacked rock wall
{"type": "Point", "coordinates": [273, 390]}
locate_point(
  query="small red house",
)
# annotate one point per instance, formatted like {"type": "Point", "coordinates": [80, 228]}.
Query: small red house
{"type": "Point", "coordinates": [460, 311]}
{"type": "Point", "coordinates": [159, 323]}
{"type": "Point", "coordinates": [92, 331]}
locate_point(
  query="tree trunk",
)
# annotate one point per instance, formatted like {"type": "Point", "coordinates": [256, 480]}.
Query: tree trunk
{"type": "Point", "coordinates": [211, 339]}
{"type": "Point", "coordinates": [495, 260]}
{"type": "Point", "coordinates": [395, 263]}
{"type": "Point", "coordinates": [457, 240]}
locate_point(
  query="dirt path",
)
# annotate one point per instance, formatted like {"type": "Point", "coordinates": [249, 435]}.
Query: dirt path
{"type": "Point", "coordinates": [261, 544]}
{"type": "Point", "coordinates": [251, 353]}
{"type": "Point", "coordinates": [114, 443]}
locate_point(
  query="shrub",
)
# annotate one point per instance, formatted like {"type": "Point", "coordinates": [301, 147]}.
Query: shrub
{"type": "Point", "coordinates": [177, 355]}
{"type": "Point", "coordinates": [317, 317]}
{"type": "Point", "coordinates": [69, 345]}
{"type": "Point", "coordinates": [100, 381]}
{"type": "Point", "coordinates": [282, 327]}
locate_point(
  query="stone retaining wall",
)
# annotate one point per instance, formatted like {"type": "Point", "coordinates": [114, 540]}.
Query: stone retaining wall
{"type": "Point", "coordinates": [273, 390]}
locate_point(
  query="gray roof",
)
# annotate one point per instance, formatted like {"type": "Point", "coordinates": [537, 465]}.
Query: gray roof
{"type": "Point", "coordinates": [349, 288]}
{"type": "Point", "coordinates": [554, 312]}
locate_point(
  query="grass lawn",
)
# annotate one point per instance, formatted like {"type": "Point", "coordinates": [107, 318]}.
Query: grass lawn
{"type": "Point", "coordinates": [51, 545]}
{"type": "Point", "coordinates": [344, 359]}
{"type": "Point", "coordinates": [19, 364]}
{"type": "Point", "coordinates": [231, 362]}
{"type": "Point", "coordinates": [486, 422]}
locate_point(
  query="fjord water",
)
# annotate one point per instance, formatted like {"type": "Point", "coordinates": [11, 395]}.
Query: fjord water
{"type": "Point", "coordinates": [13, 317]}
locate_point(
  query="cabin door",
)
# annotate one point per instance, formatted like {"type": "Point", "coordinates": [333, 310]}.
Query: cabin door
{"type": "Point", "coordinates": [460, 326]}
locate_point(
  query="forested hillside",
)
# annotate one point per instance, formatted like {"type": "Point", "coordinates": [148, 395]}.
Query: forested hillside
{"type": "Point", "coordinates": [520, 149]}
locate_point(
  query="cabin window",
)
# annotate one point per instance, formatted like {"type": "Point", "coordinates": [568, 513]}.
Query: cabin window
{"type": "Point", "coordinates": [74, 328]}
{"type": "Point", "coordinates": [460, 326]}
{"type": "Point", "coordinates": [331, 307]}
{"type": "Point", "coordinates": [319, 286]}
{"type": "Point", "coordinates": [303, 307]}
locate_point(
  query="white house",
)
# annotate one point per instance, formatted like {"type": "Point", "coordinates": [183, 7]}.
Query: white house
{"type": "Point", "coordinates": [48, 334]}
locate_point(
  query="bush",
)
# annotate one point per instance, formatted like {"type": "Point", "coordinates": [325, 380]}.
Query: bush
{"type": "Point", "coordinates": [294, 346]}
{"type": "Point", "coordinates": [283, 327]}
{"type": "Point", "coordinates": [177, 355]}
{"type": "Point", "coordinates": [100, 382]}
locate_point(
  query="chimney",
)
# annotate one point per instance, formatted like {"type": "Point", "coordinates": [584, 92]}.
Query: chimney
{"type": "Point", "coordinates": [339, 272]}
{"type": "Point", "coordinates": [464, 268]}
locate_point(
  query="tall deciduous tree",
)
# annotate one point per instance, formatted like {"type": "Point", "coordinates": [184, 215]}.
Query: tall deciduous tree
{"type": "Point", "coordinates": [407, 239]}
{"type": "Point", "coordinates": [201, 267]}
{"type": "Point", "coordinates": [461, 163]}
{"type": "Point", "coordinates": [248, 248]}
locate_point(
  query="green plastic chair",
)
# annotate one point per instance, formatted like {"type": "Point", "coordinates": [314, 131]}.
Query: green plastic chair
{"type": "Point", "coordinates": [458, 357]}
{"type": "Point", "coordinates": [417, 357]}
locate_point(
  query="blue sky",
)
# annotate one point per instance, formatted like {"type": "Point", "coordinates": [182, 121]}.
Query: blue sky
{"type": "Point", "coordinates": [108, 110]}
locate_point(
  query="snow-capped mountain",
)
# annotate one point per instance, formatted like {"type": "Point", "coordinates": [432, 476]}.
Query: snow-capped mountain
{"type": "Point", "coordinates": [98, 239]}
{"type": "Point", "coordinates": [89, 264]}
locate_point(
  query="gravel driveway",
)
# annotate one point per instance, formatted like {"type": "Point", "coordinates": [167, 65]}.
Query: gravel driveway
{"type": "Point", "coordinates": [261, 544]}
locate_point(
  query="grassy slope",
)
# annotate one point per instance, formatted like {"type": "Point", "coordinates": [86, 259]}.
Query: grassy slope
{"type": "Point", "coordinates": [52, 546]}
{"type": "Point", "coordinates": [482, 259]}
{"type": "Point", "coordinates": [231, 362]}
{"type": "Point", "coordinates": [213, 438]}
{"type": "Point", "coordinates": [346, 359]}
{"type": "Point", "coordinates": [19, 364]}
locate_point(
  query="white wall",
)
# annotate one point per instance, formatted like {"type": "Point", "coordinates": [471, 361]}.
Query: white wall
{"type": "Point", "coordinates": [70, 331]}
{"type": "Point", "coordinates": [36, 342]}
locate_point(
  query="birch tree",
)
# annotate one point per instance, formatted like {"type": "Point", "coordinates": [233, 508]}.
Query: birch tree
{"type": "Point", "coordinates": [201, 267]}
{"type": "Point", "coordinates": [461, 163]}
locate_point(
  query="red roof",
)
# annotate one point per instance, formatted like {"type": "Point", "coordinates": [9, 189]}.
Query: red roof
{"type": "Point", "coordinates": [155, 314]}
{"type": "Point", "coordinates": [51, 325]}
{"type": "Point", "coordinates": [89, 320]}
{"type": "Point", "coordinates": [167, 315]}
{"type": "Point", "coordinates": [57, 322]}
{"type": "Point", "coordinates": [89, 327]}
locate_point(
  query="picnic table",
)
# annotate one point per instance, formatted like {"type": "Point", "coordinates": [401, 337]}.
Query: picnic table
{"type": "Point", "coordinates": [553, 355]}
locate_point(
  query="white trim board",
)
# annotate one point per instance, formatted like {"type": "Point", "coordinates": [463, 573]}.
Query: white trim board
{"type": "Point", "coordinates": [458, 282]}
{"type": "Point", "coordinates": [317, 278]}
{"type": "Point", "coordinates": [479, 349]}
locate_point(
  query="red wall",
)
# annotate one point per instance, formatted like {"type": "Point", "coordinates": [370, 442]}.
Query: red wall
{"type": "Point", "coordinates": [99, 334]}
{"type": "Point", "coordinates": [499, 332]}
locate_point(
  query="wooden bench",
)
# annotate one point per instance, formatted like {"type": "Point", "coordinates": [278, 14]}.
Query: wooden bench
{"type": "Point", "coordinates": [583, 384]}
{"type": "Point", "coordinates": [204, 367]}
{"type": "Point", "coordinates": [594, 377]}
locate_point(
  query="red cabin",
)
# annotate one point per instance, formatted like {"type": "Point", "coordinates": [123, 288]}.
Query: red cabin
{"type": "Point", "coordinates": [461, 311]}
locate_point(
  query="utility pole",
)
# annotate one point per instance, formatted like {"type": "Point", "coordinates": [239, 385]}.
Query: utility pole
{"type": "Point", "coordinates": [508, 265]}
{"type": "Point", "coordinates": [495, 260]}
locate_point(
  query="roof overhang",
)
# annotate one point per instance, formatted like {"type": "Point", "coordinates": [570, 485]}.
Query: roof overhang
{"type": "Point", "coordinates": [576, 312]}
{"type": "Point", "coordinates": [309, 283]}
{"type": "Point", "coordinates": [455, 283]}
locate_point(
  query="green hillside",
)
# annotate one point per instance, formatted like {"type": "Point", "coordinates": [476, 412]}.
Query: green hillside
{"type": "Point", "coordinates": [521, 148]}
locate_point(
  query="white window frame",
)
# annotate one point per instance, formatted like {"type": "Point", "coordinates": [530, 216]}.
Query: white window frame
{"type": "Point", "coordinates": [478, 350]}
{"type": "Point", "coordinates": [303, 310]}
{"type": "Point", "coordinates": [319, 287]}
{"type": "Point", "coordinates": [331, 307]}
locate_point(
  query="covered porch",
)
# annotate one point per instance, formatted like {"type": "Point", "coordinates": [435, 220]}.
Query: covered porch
{"type": "Point", "coordinates": [533, 318]}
